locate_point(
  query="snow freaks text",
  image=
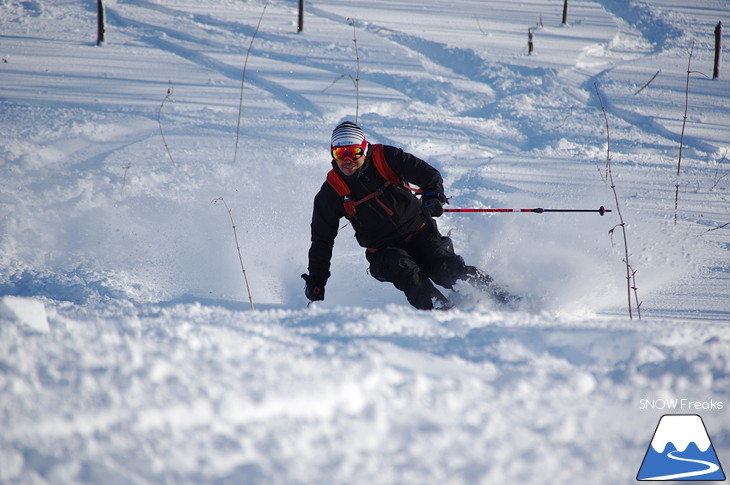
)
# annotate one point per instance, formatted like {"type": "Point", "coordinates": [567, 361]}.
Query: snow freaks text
{"type": "Point", "coordinates": [680, 405]}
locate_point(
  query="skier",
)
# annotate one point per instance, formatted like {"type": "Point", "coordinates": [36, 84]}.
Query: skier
{"type": "Point", "coordinates": [367, 185]}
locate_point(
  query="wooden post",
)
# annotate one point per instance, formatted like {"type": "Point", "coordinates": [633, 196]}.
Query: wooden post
{"type": "Point", "coordinates": [100, 23]}
{"type": "Point", "coordinates": [300, 28]}
{"type": "Point", "coordinates": [718, 50]}
{"type": "Point", "coordinates": [565, 12]}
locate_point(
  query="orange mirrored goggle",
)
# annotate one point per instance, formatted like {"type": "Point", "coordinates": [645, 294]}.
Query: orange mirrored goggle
{"type": "Point", "coordinates": [348, 152]}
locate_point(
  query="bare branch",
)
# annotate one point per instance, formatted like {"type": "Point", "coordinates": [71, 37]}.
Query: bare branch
{"type": "Point", "coordinates": [648, 82]}
{"type": "Point", "coordinates": [719, 227]}
{"type": "Point", "coordinates": [243, 79]}
{"type": "Point", "coordinates": [681, 137]}
{"type": "Point", "coordinates": [630, 272]}
{"type": "Point", "coordinates": [338, 79]}
{"type": "Point", "coordinates": [170, 90]}
{"type": "Point", "coordinates": [238, 246]}
{"type": "Point", "coordinates": [357, 76]}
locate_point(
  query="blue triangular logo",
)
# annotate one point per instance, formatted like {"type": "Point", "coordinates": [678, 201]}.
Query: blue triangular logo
{"type": "Point", "coordinates": [681, 450]}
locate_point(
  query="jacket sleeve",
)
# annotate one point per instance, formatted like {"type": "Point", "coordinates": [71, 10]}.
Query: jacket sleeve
{"type": "Point", "coordinates": [414, 170]}
{"type": "Point", "coordinates": [326, 216]}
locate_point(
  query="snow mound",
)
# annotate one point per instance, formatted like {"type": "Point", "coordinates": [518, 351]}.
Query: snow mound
{"type": "Point", "coordinates": [26, 311]}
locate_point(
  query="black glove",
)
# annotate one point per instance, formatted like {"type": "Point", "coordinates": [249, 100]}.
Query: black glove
{"type": "Point", "coordinates": [314, 289]}
{"type": "Point", "coordinates": [432, 204]}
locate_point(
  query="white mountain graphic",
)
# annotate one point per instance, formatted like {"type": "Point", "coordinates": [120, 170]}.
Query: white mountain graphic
{"type": "Point", "coordinates": [670, 456]}
{"type": "Point", "coordinates": [681, 430]}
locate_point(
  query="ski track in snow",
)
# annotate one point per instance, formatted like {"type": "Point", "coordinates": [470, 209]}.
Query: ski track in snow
{"type": "Point", "coordinates": [711, 468]}
{"type": "Point", "coordinates": [151, 369]}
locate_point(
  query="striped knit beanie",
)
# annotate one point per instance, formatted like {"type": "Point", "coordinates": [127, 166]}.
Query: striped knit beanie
{"type": "Point", "coordinates": [347, 133]}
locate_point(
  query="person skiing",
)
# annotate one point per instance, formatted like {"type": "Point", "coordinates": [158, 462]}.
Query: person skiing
{"type": "Point", "coordinates": [368, 186]}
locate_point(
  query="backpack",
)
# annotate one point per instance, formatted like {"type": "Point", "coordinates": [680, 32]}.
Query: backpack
{"type": "Point", "coordinates": [381, 164]}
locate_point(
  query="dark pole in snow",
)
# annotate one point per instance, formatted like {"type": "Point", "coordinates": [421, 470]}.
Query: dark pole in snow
{"type": "Point", "coordinates": [718, 50]}
{"type": "Point", "coordinates": [100, 23]}
{"type": "Point", "coordinates": [565, 12]}
{"type": "Point", "coordinates": [539, 210]}
{"type": "Point", "coordinates": [301, 16]}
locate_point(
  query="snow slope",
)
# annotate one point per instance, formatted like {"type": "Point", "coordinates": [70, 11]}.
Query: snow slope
{"type": "Point", "coordinates": [148, 365]}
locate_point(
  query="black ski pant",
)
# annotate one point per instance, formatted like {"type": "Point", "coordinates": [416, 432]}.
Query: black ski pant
{"type": "Point", "coordinates": [415, 264]}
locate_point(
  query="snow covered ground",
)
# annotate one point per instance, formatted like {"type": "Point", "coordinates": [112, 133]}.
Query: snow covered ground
{"type": "Point", "coordinates": [129, 354]}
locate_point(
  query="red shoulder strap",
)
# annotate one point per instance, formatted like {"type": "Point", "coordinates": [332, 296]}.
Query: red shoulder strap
{"type": "Point", "coordinates": [384, 169]}
{"type": "Point", "coordinates": [382, 165]}
{"type": "Point", "coordinates": [337, 183]}
{"type": "Point", "coordinates": [342, 189]}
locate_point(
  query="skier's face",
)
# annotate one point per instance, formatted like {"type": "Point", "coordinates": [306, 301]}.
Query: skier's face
{"type": "Point", "coordinates": [349, 158]}
{"type": "Point", "coordinates": [350, 166]}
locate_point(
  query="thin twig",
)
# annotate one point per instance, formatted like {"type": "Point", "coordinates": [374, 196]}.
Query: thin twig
{"type": "Point", "coordinates": [338, 79]}
{"type": "Point", "coordinates": [170, 90]}
{"type": "Point", "coordinates": [648, 82]}
{"type": "Point", "coordinates": [124, 178]}
{"type": "Point", "coordinates": [717, 178]}
{"type": "Point", "coordinates": [681, 137]}
{"type": "Point", "coordinates": [630, 272]}
{"type": "Point", "coordinates": [243, 79]}
{"type": "Point", "coordinates": [357, 76]}
{"type": "Point", "coordinates": [718, 227]}
{"type": "Point", "coordinates": [356, 79]}
{"type": "Point", "coordinates": [238, 247]}
{"type": "Point", "coordinates": [636, 293]}
{"type": "Point", "coordinates": [480, 26]}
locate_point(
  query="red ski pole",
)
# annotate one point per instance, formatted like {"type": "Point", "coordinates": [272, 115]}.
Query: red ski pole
{"type": "Point", "coordinates": [602, 210]}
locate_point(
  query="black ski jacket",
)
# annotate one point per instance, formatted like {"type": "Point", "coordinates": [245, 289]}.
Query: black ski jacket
{"type": "Point", "coordinates": [374, 226]}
